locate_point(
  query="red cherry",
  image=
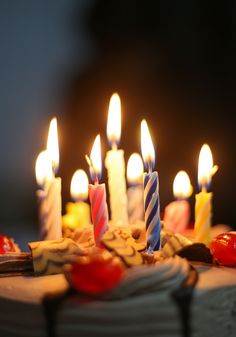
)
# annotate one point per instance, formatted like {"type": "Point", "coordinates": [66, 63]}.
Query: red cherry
{"type": "Point", "coordinates": [95, 274]}
{"type": "Point", "coordinates": [6, 245]}
{"type": "Point", "coordinates": [223, 248]}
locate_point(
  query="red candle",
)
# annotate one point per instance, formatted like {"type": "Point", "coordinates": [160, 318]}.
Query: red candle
{"type": "Point", "coordinates": [97, 192]}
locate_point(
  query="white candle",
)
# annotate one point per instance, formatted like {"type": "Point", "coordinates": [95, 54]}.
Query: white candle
{"type": "Point", "coordinates": [177, 213]}
{"type": "Point", "coordinates": [135, 190]}
{"type": "Point", "coordinates": [49, 194]}
{"type": "Point", "coordinates": [115, 165]}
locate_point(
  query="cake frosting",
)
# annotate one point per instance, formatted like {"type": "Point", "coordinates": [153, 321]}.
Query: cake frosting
{"type": "Point", "coordinates": [144, 304]}
{"type": "Point", "coordinates": [161, 294]}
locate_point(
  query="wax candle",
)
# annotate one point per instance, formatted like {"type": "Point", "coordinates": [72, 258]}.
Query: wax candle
{"type": "Point", "coordinates": [78, 212]}
{"type": "Point", "coordinates": [177, 213]}
{"type": "Point", "coordinates": [49, 192]}
{"type": "Point", "coordinates": [135, 190]}
{"type": "Point", "coordinates": [115, 165]}
{"type": "Point", "coordinates": [203, 204]}
{"type": "Point", "coordinates": [151, 191]}
{"type": "Point", "coordinates": [97, 192]}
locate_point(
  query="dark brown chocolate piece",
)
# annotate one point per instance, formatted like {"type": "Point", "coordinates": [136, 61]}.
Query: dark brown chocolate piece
{"type": "Point", "coordinates": [196, 252]}
{"type": "Point", "coordinates": [14, 264]}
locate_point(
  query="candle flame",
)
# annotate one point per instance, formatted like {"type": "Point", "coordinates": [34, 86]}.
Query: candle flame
{"type": "Point", "coordinates": [147, 147]}
{"type": "Point", "coordinates": [43, 168]}
{"type": "Point", "coordinates": [114, 120]}
{"type": "Point", "coordinates": [79, 185]}
{"type": "Point", "coordinates": [205, 166]}
{"type": "Point", "coordinates": [95, 159]}
{"type": "Point", "coordinates": [134, 169]}
{"type": "Point", "coordinates": [52, 144]}
{"type": "Point", "coordinates": [182, 188]}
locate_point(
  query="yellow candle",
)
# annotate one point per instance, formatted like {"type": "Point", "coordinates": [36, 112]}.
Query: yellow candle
{"type": "Point", "coordinates": [78, 212]}
{"type": "Point", "coordinates": [115, 165]}
{"type": "Point", "coordinates": [49, 192]}
{"type": "Point", "coordinates": [203, 205]}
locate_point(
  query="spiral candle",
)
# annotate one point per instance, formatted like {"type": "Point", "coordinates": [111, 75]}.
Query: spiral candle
{"type": "Point", "coordinates": [152, 210]}
{"type": "Point", "coordinates": [135, 204]}
{"type": "Point", "coordinates": [49, 208]}
{"type": "Point", "coordinates": [97, 196]}
{"type": "Point", "coordinates": [203, 215]}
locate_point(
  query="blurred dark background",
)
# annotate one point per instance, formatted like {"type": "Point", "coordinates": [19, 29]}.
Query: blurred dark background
{"type": "Point", "coordinates": [172, 62]}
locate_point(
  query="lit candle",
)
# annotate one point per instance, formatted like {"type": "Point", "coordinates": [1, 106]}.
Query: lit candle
{"type": "Point", "coordinates": [97, 192]}
{"type": "Point", "coordinates": [177, 213]}
{"type": "Point", "coordinates": [135, 190]}
{"type": "Point", "coordinates": [49, 194]}
{"type": "Point", "coordinates": [203, 205]}
{"type": "Point", "coordinates": [151, 191]}
{"type": "Point", "coordinates": [78, 212]}
{"type": "Point", "coordinates": [115, 165]}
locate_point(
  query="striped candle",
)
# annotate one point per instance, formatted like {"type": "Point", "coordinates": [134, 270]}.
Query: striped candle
{"type": "Point", "coordinates": [151, 191]}
{"type": "Point", "coordinates": [203, 215]}
{"type": "Point", "coordinates": [203, 205]}
{"type": "Point", "coordinates": [97, 197]}
{"type": "Point", "coordinates": [97, 192]}
{"type": "Point", "coordinates": [152, 210]}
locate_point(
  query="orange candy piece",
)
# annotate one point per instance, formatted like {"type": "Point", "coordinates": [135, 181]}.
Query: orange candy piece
{"type": "Point", "coordinates": [223, 249]}
{"type": "Point", "coordinates": [95, 274]}
{"type": "Point", "coordinates": [6, 245]}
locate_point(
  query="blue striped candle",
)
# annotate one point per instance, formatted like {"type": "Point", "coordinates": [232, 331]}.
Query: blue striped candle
{"type": "Point", "coordinates": [152, 211]}
{"type": "Point", "coordinates": [151, 191]}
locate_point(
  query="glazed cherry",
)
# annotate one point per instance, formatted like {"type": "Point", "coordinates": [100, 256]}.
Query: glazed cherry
{"type": "Point", "coordinates": [223, 248]}
{"type": "Point", "coordinates": [94, 274]}
{"type": "Point", "coordinates": [6, 245]}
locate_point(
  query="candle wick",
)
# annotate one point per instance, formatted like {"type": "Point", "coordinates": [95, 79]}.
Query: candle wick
{"type": "Point", "coordinates": [91, 165]}
{"type": "Point", "coordinates": [53, 168]}
{"type": "Point", "coordinates": [149, 167]}
{"type": "Point", "coordinates": [114, 146]}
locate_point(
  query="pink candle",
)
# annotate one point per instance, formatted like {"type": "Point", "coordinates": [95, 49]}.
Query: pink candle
{"type": "Point", "coordinates": [97, 193]}
{"type": "Point", "coordinates": [177, 213]}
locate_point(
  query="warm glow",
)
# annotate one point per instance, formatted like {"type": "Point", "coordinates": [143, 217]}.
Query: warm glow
{"type": "Point", "coordinates": [95, 159]}
{"type": "Point", "coordinates": [147, 148]}
{"type": "Point", "coordinates": [79, 185]}
{"type": "Point", "coordinates": [114, 120]}
{"type": "Point", "coordinates": [52, 144]}
{"type": "Point", "coordinates": [182, 188]}
{"type": "Point", "coordinates": [205, 166]}
{"type": "Point", "coordinates": [134, 169]}
{"type": "Point", "coordinates": [43, 168]}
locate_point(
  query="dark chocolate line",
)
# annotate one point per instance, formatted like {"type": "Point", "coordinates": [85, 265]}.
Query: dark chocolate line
{"type": "Point", "coordinates": [183, 297]}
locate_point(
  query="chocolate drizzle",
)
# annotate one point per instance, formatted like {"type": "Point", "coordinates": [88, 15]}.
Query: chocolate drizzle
{"type": "Point", "coordinates": [183, 297]}
{"type": "Point", "coordinates": [51, 307]}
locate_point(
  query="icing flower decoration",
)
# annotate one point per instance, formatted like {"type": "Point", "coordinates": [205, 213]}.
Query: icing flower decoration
{"type": "Point", "coordinates": [94, 274]}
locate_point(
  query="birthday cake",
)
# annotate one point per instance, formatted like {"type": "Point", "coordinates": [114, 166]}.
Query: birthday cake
{"type": "Point", "coordinates": [114, 278]}
{"type": "Point", "coordinates": [167, 296]}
